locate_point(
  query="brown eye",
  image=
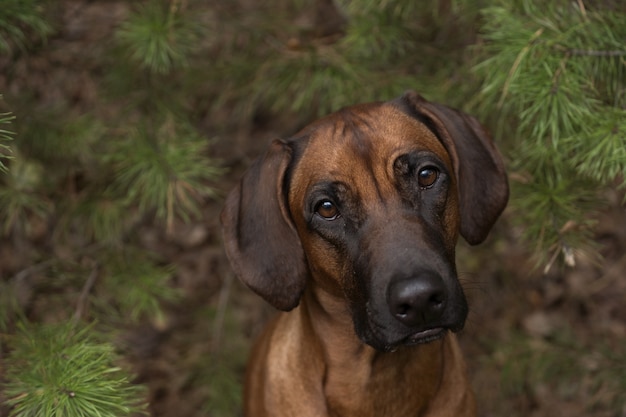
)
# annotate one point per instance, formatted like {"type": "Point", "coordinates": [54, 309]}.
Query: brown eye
{"type": "Point", "coordinates": [427, 176]}
{"type": "Point", "coordinates": [327, 210]}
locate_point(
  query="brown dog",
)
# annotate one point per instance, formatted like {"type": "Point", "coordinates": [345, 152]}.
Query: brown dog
{"type": "Point", "coordinates": [352, 224]}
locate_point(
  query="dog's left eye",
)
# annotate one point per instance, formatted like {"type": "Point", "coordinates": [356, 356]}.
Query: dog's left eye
{"type": "Point", "coordinates": [327, 210]}
{"type": "Point", "coordinates": [427, 176]}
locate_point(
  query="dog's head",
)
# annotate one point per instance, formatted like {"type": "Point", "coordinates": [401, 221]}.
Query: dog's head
{"type": "Point", "coordinates": [366, 204]}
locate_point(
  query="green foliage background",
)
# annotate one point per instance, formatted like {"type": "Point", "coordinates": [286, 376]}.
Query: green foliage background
{"type": "Point", "coordinates": [176, 78]}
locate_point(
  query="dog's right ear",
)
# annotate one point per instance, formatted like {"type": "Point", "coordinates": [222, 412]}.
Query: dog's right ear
{"type": "Point", "coordinates": [260, 238]}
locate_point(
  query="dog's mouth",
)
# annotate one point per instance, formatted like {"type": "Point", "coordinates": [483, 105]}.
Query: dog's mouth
{"type": "Point", "coordinates": [425, 336]}
{"type": "Point", "coordinates": [384, 344]}
{"type": "Point", "coordinates": [418, 338]}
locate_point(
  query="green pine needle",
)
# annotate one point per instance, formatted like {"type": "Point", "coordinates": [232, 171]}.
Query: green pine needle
{"type": "Point", "coordinates": [102, 216]}
{"type": "Point", "coordinates": [5, 136]}
{"type": "Point", "coordinates": [602, 155]}
{"type": "Point", "coordinates": [18, 20]}
{"type": "Point", "coordinates": [554, 73]}
{"type": "Point", "coordinates": [134, 286]}
{"type": "Point", "coordinates": [159, 37]}
{"type": "Point", "coordinates": [60, 371]}
{"type": "Point", "coordinates": [19, 196]}
{"type": "Point", "coordinates": [166, 171]}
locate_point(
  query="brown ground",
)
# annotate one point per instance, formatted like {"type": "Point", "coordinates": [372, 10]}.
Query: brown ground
{"type": "Point", "coordinates": [537, 344]}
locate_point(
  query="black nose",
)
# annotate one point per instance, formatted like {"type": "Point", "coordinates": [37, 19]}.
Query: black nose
{"type": "Point", "coordinates": [418, 300]}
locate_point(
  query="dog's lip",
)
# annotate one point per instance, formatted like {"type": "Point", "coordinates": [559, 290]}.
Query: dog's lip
{"type": "Point", "coordinates": [418, 338]}
{"type": "Point", "coordinates": [425, 336]}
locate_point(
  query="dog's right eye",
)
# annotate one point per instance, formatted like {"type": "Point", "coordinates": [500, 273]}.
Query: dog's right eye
{"type": "Point", "coordinates": [327, 210]}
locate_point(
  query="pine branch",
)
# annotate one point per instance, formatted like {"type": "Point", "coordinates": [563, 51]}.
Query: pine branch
{"type": "Point", "coordinates": [589, 52]}
{"type": "Point", "coordinates": [133, 287]}
{"type": "Point", "coordinates": [20, 197]}
{"type": "Point", "coordinates": [164, 170]}
{"type": "Point", "coordinates": [81, 304]}
{"type": "Point", "coordinates": [18, 20]}
{"type": "Point", "coordinates": [159, 38]}
{"type": "Point", "coordinates": [60, 371]}
{"type": "Point", "coordinates": [5, 136]}
{"type": "Point", "coordinates": [565, 131]}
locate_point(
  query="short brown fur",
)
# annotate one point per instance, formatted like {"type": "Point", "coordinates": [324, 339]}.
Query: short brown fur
{"type": "Point", "coordinates": [345, 349]}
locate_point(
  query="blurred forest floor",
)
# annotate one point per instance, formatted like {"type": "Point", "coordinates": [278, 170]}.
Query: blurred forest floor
{"type": "Point", "coordinates": [533, 340]}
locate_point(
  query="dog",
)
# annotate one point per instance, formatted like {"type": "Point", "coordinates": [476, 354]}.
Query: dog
{"type": "Point", "coordinates": [350, 228]}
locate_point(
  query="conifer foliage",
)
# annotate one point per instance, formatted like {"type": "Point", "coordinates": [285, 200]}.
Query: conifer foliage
{"type": "Point", "coordinates": [87, 181]}
{"type": "Point", "coordinates": [78, 180]}
{"type": "Point", "coordinates": [58, 371]}
{"type": "Point", "coordinates": [5, 136]}
{"type": "Point", "coordinates": [555, 74]}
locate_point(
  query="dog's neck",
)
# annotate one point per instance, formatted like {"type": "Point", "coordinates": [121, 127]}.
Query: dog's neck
{"type": "Point", "coordinates": [355, 367]}
{"type": "Point", "coordinates": [334, 330]}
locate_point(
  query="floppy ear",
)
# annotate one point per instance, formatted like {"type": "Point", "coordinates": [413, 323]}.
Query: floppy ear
{"type": "Point", "coordinates": [481, 178]}
{"type": "Point", "coordinates": [260, 238]}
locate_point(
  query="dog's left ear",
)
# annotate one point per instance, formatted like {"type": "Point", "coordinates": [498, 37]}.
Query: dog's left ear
{"type": "Point", "coordinates": [481, 178]}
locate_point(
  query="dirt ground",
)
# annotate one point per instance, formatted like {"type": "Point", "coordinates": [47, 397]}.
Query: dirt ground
{"type": "Point", "coordinates": [537, 344]}
{"type": "Point", "coordinates": [519, 319]}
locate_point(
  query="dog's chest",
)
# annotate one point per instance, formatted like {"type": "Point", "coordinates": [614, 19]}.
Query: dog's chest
{"type": "Point", "coordinates": [385, 386]}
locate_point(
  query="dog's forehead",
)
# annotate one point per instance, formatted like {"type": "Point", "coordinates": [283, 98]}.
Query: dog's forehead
{"type": "Point", "coordinates": [362, 140]}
